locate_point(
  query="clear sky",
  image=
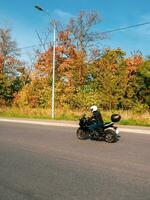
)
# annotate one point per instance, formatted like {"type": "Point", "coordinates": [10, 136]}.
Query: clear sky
{"type": "Point", "coordinates": [24, 20]}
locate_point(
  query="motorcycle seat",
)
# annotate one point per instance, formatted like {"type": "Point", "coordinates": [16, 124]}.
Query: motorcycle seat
{"type": "Point", "coordinates": [106, 125]}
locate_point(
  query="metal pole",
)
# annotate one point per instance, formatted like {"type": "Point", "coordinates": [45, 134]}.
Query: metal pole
{"type": "Point", "coordinates": [53, 77]}
{"type": "Point", "coordinates": [54, 47]}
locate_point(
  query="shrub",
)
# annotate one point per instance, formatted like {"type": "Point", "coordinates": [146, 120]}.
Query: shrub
{"type": "Point", "coordinates": [35, 94]}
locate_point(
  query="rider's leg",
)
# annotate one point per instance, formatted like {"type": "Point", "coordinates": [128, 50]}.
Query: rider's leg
{"type": "Point", "coordinates": [92, 127]}
{"type": "Point", "coordinates": [100, 128]}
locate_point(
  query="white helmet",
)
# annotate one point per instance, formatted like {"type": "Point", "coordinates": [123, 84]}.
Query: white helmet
{"type": "Point", "coordinates": [93, 108]}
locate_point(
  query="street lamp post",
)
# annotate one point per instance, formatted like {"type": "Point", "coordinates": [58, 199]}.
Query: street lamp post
{"type": "Point", "coordinates": [53, 75]}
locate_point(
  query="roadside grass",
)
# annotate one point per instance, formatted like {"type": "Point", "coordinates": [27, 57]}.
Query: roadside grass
{"type": "Point", "coordinates": [127, 117]}
{"type": "Point", "coordinates": [39, 113]}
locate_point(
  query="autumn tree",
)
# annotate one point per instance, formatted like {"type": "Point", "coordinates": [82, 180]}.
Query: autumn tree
{"type": "Point", "coordinates": [70, 66]}
{"type": "Point", "coordinates": [9, 63]}
{"type": "Point", "coordinates": [35, 94]}
{"type": "Point", "coordinates": [74, 43]}
{"type": "Point", "coordinates": [8, 53]}
{"type": "Point", "coordinates": [81, 29]}
{"type": "Point", "coordinates": [131, 87]}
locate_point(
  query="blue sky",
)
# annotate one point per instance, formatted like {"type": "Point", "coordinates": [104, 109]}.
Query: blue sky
{"type": "Point", "coordinates": [24, 20]}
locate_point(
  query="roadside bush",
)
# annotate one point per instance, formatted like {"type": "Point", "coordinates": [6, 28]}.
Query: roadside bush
{"type": "Point", "coordinates": [84, 100]}
{"type": "Point", "coordinates": [140, 108]}
{"type": "Point", "coordinates": [35, 94]}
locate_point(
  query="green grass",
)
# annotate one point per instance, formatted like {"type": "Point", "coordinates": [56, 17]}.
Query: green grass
{"type": "Point", "coordinates": [38, 113]}
{"type": "Point", "coordinates": [128, 117]}
{"type": "Point", "coordinates": [134, 122]}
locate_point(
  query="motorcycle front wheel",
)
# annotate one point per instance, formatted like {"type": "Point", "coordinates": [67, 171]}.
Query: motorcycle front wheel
{"type": "Point", "coordinates": [110, 136]}
{"type": "Point", "coordinates": [82, 135]}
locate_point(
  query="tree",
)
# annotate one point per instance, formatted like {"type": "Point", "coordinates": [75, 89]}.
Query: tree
{"type": "Point", "coordinates": [107, 77]}
{"type": "Point", "coordinates": [131, 87]}
{"type": "Point", "coordinates": [8, 53]}
{"type": "Point", "coordinates": [80, 28]}
{"type": "Point", "coordinates": [35, 94]}
{"type": "Point", "coordinates": [70, 66]}
{"type": "Point", "coordinates": [9, 63]}
{"type": "Point", "coordinates": [143, 80]}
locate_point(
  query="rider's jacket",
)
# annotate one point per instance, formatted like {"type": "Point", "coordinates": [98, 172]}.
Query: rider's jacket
{"type": "Point", "coordinates": [97, 117]}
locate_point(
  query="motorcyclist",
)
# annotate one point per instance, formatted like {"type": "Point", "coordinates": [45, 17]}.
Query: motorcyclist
{"type": "Point", "coordinates": [96, 119]}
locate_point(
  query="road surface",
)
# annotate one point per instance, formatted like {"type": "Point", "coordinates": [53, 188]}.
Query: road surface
{"type": "Point", "coordinates": [50, 163]}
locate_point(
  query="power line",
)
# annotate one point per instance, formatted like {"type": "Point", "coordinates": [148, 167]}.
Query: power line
{"type": "Point", "coordinates": [127, 27]}
{"type": "Point", "coordinates": [109, 31]}
{"type": "Point", "coordinates": [27, 47]}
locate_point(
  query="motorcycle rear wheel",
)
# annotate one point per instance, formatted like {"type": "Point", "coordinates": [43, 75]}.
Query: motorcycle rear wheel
{"type": "Point", "coordinates": [82, 135]}
{"type": "Point", "coordinates": [110, 136]}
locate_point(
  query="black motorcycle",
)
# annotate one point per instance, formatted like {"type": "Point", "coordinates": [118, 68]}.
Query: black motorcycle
{"type": "Point", "coordinates": [108, 132]}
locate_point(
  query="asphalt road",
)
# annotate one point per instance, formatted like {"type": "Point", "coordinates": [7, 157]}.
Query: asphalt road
{"type": "Point", "coordinates": [49, 163]}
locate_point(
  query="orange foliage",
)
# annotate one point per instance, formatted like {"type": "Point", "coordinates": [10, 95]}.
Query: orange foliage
{"type": "Point", "coordinates": [44, 62]}
{"type": "Point", "coordinates": [9, 62]}
{"type": "Point", "coordinates": [70, 66]}
{"type": "Point", "coordinates": [133, 62]}
{"type": "Point", "coordinates": [64, 35]}
{"type": "Point", "coordinates": [68, 60]}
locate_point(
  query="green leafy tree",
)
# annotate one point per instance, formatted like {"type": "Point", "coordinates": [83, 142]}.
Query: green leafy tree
{"type": "Point", "coordinates": [143, 81]}
{"type": "Point", "coordinates": [107, 77]}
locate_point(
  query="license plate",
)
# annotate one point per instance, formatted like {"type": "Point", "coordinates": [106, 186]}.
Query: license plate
{"type": "Point", "coordinates": [117, 131]}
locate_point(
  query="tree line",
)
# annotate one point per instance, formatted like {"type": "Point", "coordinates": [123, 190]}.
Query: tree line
{"type": "Point", "coordinates": [85, 73]}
